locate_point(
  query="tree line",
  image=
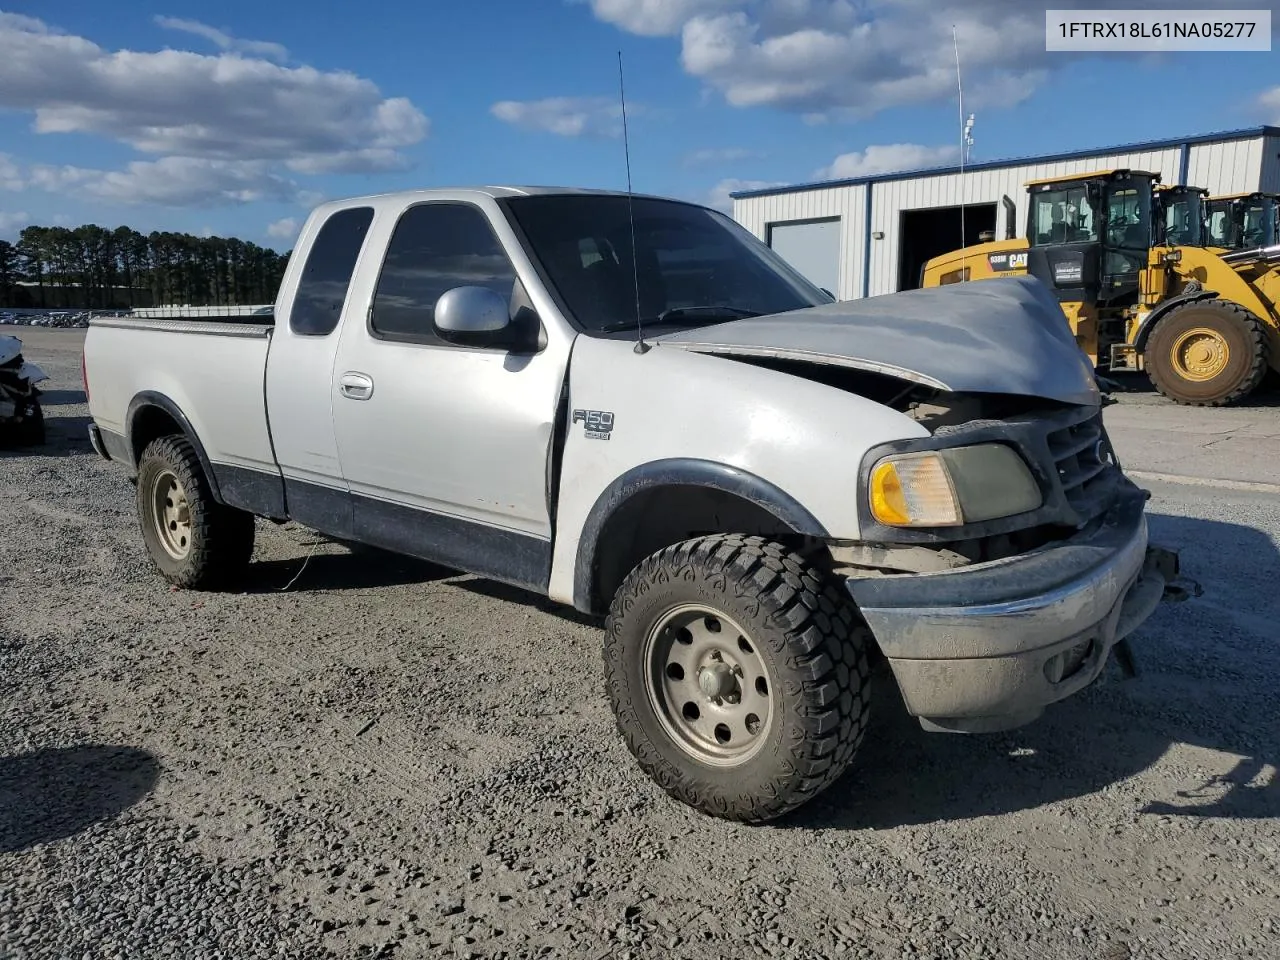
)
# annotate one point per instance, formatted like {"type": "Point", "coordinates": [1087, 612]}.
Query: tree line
{"type": "Point", "coordinates": [94, 268]}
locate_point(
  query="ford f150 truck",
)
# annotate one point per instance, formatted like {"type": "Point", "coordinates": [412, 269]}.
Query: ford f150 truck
{"type": "Point", "coordinates": [634, 407]}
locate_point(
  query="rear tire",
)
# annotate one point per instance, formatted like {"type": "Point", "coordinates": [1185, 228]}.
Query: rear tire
{"type": "Point", "coordinates": [738, 675]}
{"type": "Point", "coordinates": [1208, 354]}
{"type": "Point", "coordinates": [194, 541]}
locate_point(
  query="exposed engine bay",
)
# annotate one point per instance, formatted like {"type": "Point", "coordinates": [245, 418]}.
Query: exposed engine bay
{"type": "Point", "coordinates": [1064, 444]}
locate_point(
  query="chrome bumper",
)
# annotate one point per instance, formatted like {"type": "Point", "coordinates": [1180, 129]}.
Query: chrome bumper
{"type": "Point", "coordinates": [988, 647]}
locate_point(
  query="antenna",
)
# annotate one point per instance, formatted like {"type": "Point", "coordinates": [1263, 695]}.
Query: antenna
{"type": "Point", "coordinates": [964, 138]}
{"type": "Point", "coordinates": [641, 346]}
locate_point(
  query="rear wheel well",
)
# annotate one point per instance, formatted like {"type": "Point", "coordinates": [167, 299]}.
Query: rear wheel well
{"type": "Point", "coordinates": [153, 418]}
{"type": "Point", "coordinates": [151, 423]}
{"type": "Point", "coordinates": [653, 519]}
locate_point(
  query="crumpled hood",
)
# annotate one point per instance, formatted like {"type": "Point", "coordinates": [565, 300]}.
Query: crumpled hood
{"type": "Point", "coordinates": [1006, 335]}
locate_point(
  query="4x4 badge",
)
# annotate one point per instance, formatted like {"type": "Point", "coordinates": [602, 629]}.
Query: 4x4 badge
{"type": "Point", "coordinates": [598, 424]}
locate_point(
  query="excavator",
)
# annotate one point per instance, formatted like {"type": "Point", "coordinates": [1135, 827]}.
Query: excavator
{"type": "Point", "coordinates": [1242, 221]}
{"type": "Point", "coordinates": [1139, 293]}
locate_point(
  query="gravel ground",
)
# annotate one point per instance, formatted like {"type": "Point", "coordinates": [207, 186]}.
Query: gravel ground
{"type": "Point", "coordinates": [371, 757]}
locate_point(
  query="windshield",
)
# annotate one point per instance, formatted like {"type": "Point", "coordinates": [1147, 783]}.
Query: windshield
{"type": "Point", "coordinates": [1220, 233]}
{"type": "Point", "coordinates": [1128, 236]}
{"type": "Point", "coordinates": [695, 266]}
{"type": "Point", "coordinates": [1183, 222]}
{"type": "Point", "coordinates": [1063, 215]}
{"type": "Point", "coordinates": [1258, 224]}
{"type": "Point", "coordinates": [1242, 224]}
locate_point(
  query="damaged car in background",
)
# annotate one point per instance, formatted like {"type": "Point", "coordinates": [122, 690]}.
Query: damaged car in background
{"type": "Point", "coordinates": [634, 407]}
{"type": "Point", "coordinates": [21, 416]}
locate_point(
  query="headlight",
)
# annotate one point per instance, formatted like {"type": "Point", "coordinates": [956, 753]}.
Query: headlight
{"type": "Point", "coordinates": [949, 488]}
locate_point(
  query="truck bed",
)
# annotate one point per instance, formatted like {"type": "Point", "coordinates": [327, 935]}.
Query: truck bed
{"type": "Point", "coordinates": [212, 371]}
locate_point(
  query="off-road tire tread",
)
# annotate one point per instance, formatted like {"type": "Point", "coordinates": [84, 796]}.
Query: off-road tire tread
{"type": "Point", "coordinates": [1255, 333]}
{"type": "Point", "coordinates": [222, 537]}
{"type": "Point", "coordinates": [827, 652]}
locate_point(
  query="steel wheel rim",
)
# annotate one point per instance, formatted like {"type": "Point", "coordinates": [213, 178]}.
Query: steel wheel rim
{"type": "Point", "coordinates": [1200, 354]}
{"type": "Point", "coordinates": [171, 515]}
{"type": "Point", "coordinates": [710, 688]}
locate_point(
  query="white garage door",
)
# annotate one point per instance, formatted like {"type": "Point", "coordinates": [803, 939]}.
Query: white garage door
{"type": "Point", "coordinates": [813, 248]}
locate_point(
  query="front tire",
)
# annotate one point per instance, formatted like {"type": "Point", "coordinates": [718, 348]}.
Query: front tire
{"type": "Point", "coordinates": [738, 675]}
{"type": "Point", "coordinates": [194, 541]}
{"type": "Point", "coordinates": [1210, 353]}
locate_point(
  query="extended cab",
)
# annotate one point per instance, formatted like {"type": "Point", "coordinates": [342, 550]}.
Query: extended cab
{"type": "Point", "coordinates": [633, 406]}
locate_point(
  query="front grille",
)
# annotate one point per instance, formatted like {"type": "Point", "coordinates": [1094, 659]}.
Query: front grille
{"type": "Point", "coordinates": [1086, 466]}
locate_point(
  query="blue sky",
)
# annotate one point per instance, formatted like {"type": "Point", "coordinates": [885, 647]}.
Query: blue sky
{"type": "Point", "coordinates": [168, 115]}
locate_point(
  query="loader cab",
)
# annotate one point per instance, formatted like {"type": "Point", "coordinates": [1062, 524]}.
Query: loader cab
{"type": "Point", "coordinates": [1090, 234]}
{"type": "Point", "coordinates": [1180, 219]}
{"type": "Point", "coordinates": [1243, 221]}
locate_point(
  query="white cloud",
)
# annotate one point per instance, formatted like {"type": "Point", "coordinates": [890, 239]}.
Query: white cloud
{"type": "Point", "coordinates": [286, 229]}
{"type": "Point", "coordinates": [886, 158]}
{"type": "Point", "coordinates": [719, 195]}
{"type": "Point", "coordinates": [172, 182]}
{"type": "Point", "coordinates": [225, 41]}
{"type": "Point", "coordinates": [654, 18]}
{"type": "Point", "coordinates": [12, 223]}
{"type": "Point", "coordinates": [1269, 100]}
{"type": "Point", "coordinates": [713, 155]}
{"type": "Point", "coordinates": [565, 116]}
{"type": "Point", "coordinates": [843, 59]}
{"type": "Point", "coordinates": [10, 174]}
{"type": "Point", "coordinates": [232, 107]}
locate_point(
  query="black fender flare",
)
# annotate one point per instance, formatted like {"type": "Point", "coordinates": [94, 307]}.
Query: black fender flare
{"type": "Point", "coordinates": [1155, 316]}
{"type": "Point", "coordinates": [151, 398]}
{"type": "Point", "coordinates": [682, 472]}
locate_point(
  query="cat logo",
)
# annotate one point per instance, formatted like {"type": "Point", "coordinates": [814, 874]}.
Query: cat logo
{"type": "Point", "coordinates": [1004, 262]}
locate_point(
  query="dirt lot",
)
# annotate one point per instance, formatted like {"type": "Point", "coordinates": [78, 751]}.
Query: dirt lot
{"type": "Point", "coordinates": [368, 757]}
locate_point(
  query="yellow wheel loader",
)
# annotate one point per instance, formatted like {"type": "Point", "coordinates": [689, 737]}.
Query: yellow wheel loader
{"type": "Point", "coordinates": [1243, 221]}
{"type": "Point", "coordinates": [1138, 295]}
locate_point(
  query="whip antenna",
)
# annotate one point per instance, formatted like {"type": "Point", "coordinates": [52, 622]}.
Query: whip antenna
{"type": "Point", "coordinates": [964, 136]}
{"type": "Point", "coordinates": [641, 346]}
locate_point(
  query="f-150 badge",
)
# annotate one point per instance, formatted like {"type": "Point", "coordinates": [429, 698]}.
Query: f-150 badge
{"type": "Point", "coordinates": [598, 424]}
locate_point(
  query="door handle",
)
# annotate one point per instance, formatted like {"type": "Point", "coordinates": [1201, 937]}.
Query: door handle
{"type": "Point", "coordinates": [355, 386]}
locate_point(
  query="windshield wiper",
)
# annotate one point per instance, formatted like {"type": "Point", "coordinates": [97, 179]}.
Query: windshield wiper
{"type": "Point", "coordinates": [712, 313]}
{"type": "Point", "coordinates": [709, 314]}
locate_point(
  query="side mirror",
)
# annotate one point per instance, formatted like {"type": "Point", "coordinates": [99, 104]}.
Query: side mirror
{"type": "Point", "coordinates": [472, 314]}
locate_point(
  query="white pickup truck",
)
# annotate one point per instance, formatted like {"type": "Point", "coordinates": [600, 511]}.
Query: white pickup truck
{"type": "Point", "coordinates": [631, 405]}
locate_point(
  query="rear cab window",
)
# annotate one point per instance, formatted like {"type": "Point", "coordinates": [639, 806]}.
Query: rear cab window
{"type": "Point", "coordinates": [326, 277]}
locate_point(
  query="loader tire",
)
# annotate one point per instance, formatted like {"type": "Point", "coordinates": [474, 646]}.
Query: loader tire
{"type": "Point", "coordinates": [1207, 354]}
{"type": "Point", "coordinates": [738, 674]}
{"type": "Point", "coordinates": [194, 541]}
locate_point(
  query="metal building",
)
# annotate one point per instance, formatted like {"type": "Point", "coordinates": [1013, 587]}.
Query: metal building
{"type": "Point", "coordinates": [871, 235]}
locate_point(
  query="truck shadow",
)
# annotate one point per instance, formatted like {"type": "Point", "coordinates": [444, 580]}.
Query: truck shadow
{"type": "Point", "coordinates": [53, 794]}
{"type": "Point", "coordinates": [58, 398]}
{"type": "Point", "coordinates": [1266, 395]}
{"type": "Point", "coordinates": [359, 569]}
{"type": "Point", "coordinates": [1208, 682]}
{"type": "Point", "coordinates": [527, 598]}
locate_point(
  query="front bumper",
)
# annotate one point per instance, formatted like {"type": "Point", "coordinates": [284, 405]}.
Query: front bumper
{"type": "Point", "coordinates": [988, 647]}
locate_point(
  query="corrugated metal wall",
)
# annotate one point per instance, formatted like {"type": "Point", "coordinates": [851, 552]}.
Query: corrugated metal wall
{"type": "Point", "coordinates": [890, 198]}
{"type": "Point", "coordinates": [847, 203]}
{"type": "Point", "coordinates": [1231, 167]}
{"type": "Point", "coordinates": [1270, 181]}
{"type": "Point", "coordinates": [1222, 167]}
